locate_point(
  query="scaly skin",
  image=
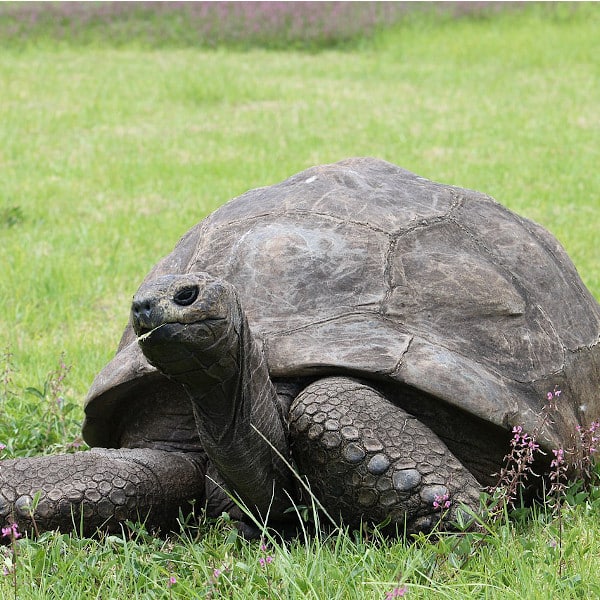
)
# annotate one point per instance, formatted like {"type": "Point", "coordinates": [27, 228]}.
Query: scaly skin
{"type": "Point", "coordinates": [366, 458]}
{"type": "Point", "coordinates": [100, 489]}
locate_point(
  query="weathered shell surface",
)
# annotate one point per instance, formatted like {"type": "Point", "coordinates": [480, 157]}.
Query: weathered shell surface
{"type": "Point", "coordinates": [366, 268]}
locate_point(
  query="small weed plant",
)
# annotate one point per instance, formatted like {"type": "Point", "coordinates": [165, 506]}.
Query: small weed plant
{"type": "Point", "coordinates": [52, 424]}
{"type": "Point", "coordinates": [11, 216]}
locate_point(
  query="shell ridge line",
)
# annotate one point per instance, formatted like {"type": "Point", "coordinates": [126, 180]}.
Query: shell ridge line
{"type": "Point", "coordinates": [453, 352]}
{"type": "Point", "coordinates": [457, 203]}
{"type": "Point", "coordinates": [388, 272]}
{"type": "Point", "coordinates": [298, 212]}
{"type": "Point", "coordinates": [555, 333]}
{"type": "Point", "coordinates": [393, 243]}
{"type": "Point", "coordinates": [338, 317]}
{"type": "Point", "coordinates": [534, 229]}
{"type": "Point", "coordinates": [201, 235]}
{"type": "Point", "coordinates": [432, 221]}
{"type": "Point", "coordinates": [396, 371]}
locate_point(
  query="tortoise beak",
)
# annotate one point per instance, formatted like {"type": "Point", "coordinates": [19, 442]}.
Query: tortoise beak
{"type": "Point", "coordinates": [145, 315]}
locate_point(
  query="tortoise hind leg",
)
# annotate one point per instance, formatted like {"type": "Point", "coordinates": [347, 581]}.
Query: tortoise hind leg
{"type": "Point", "coordinates": [100, 489]}
{"type": "Point", "coordinates": [367, 459]}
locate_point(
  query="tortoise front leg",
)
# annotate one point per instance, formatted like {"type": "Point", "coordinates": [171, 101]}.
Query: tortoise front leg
{"type": "Point", "coordinates": [367, 459]}
{"type": "Point", "coordinates": [100, 489]}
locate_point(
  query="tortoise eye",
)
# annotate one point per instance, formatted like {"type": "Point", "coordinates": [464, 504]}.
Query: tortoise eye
{"type": "Point", "coordinates": [186, 295]}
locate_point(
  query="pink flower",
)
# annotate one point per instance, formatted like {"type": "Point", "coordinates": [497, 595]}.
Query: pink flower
{"type": "Point", "coordinates": [397, 592]}
{"type": "Point", "coordinates": [441, 501]}
{"type": "Point", "coordinates": [2, 446]}
{"type": "Point", "coordinates": [12, 532]}
{"type": "Point", "coordinates": [172, 581]}
{"type": "Point", "coordinates": [267, 560]}
{"type": "Point", "coordinates": [555, 394]}
{"type": "Point", "coordinates": [217, 573]}
{"type": "Point", "coordinates": [559, 457]}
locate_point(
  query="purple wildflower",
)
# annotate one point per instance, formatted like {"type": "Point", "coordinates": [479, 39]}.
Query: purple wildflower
{"type": "Point", "coordinates": [559, 457]}
{"type": "Point", "coordinates": [517, 466]}
{"type": "Point", "coordinates": [263, 561]}
{"type": "Point", "coordinates": [522, 440]}
{"type": "Point", "coordinates": [12, 532]}
{"type": "Point", "coordinates": [441, 501]}
{"type": "Point", "coordinates": [172, 581]}
{"type": "Point", "coordinates": [558, 477]}
{"type": "Point", "coordinates": [553, 395]}
{"type": "Point", "coordinates": [586, 451]}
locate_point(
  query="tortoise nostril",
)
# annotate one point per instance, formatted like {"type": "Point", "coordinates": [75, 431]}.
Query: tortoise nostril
{"type": "Point", "coordinates": [141, 308]}
{"type": "Point", "coordinates": [186, 296]}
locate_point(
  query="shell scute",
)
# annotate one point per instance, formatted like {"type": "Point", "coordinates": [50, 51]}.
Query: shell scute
{"type": "Point", "coordinates": [266, 260]}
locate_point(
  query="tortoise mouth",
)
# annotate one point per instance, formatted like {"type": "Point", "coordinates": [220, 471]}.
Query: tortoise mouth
{"type": "Point", "coordinates": [144, 333]}
{"type": "Point", "coordinates": [183, 351]}
{"type": "Point", "coordinates": [172, 332]}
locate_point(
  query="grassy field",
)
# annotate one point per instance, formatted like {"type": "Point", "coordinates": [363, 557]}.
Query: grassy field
{"type": "Point", "coordinates": [110, 152]}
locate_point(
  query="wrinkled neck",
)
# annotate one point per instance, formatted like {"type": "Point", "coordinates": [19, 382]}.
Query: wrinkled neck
{"type": "Point", "coordinates": [241, 427]}
{"type": "Point", "coordinates": [223, 390]}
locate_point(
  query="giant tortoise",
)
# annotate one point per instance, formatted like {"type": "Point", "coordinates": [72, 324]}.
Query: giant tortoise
{"type": "Point", "coordinates": [356, 330]}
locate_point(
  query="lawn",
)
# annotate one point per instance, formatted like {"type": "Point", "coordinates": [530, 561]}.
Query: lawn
{"type": "Point", "coordinates": [110, 151]}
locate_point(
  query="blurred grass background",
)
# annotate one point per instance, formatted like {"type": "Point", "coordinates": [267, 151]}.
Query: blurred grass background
{"type": "Point", "coordinates": [309, 26]}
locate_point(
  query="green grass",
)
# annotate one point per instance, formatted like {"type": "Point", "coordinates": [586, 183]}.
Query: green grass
{"type": "Point", "coordinates": [109, 154]}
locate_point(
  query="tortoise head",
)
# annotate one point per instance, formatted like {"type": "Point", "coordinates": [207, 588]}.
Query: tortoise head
{"type": "Point", "coordinates": [182, 299]}
{"type": "Point", "coordinates": [184, 320]}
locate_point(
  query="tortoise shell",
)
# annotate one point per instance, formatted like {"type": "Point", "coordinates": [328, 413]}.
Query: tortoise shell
{"type": "Point", "coordinates": [362, 267]}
